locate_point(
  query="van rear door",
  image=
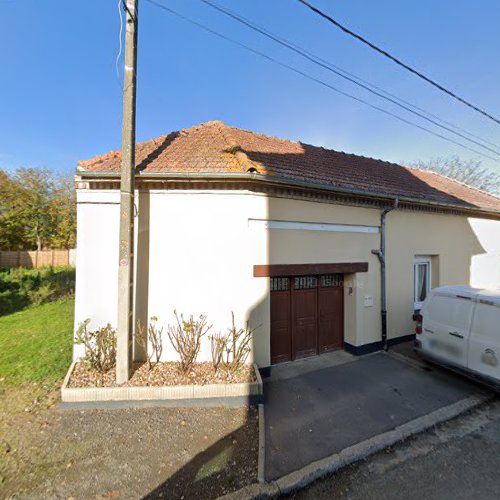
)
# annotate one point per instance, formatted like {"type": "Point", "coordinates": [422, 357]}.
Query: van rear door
{"type": "Point", "coordinates": [447, 319]}
{"type": "Point", "coordinates": [484, 341]}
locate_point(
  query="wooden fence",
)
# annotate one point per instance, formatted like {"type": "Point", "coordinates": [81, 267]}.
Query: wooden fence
{"type": "Point", "coordinates": [42, 258]}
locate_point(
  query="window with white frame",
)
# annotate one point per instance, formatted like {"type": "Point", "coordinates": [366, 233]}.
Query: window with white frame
{"type": "Point", "coordinates": [421, 280]}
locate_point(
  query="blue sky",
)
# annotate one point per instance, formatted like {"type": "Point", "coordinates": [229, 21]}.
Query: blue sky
{"type": "Point", "coordinates": [61, 100]}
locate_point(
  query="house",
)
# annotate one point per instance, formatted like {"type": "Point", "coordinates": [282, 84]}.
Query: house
{"type": "Point", "coordinates": [294, 238]}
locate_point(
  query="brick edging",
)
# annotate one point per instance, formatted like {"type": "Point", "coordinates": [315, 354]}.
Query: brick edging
{"type": "Point", "coordinates": [159, 393]}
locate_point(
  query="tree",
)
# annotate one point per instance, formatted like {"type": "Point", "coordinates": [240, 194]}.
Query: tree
{"type": "Point", "coordinates": [37, 210]}
{"type": "Point", "coordinates": [63, 215]}
{"type": "Point", "coordinates": [467, 171]}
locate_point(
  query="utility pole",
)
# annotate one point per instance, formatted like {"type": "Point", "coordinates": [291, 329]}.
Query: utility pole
{"type": "Point", "coordinates": [127, 186]}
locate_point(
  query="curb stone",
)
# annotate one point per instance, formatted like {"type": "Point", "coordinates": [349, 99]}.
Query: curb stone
{"type": "Point", "coordinates": [316, 470]}
{"type": "Point", "coordinates": [261, 463]}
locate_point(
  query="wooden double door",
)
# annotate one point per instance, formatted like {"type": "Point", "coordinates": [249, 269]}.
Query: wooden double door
{"type": "Point", "coordinates": [307, 316]}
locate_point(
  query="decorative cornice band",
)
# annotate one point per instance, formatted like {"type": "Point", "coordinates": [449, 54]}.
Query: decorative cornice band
{"type": "Point", "coordinates": [283, 190]}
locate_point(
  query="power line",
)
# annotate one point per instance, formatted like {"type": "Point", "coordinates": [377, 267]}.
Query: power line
{"type": "Point", "coordinates": [397, 61]}
{"type": "Point", "coordinates": [119, 45]}
{"type": "Point", "coordinates": [326, 65]}
{"type": "Point", "coordinates": [317, 80]}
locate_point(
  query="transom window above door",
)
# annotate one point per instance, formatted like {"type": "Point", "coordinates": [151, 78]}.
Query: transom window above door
{"type": "Point", "coordinates": [304, 282]}
{"type": "Point", "coordinates": [331, 280]}
{"type": "Point", "coordinates": [279, 284]}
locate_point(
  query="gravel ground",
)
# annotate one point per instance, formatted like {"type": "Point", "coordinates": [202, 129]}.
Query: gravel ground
{"type": "Point", "coordinates": [163, 373]}
{"type": "Point", "coordinates": [136, 453]}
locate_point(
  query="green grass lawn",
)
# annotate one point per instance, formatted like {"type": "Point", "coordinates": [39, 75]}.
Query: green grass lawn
{"type": "Point", "coordinates": [36, 343]}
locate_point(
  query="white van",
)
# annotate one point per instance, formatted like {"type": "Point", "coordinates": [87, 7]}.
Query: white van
{"type": "Point", "coordinates": [460, 326]}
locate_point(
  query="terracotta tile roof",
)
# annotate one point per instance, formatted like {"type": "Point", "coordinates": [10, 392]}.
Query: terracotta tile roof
{"type": "Point", "coordinates": [214, 147]}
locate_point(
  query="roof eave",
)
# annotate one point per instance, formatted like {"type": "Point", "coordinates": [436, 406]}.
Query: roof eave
{"type": "Point", "coordinates": [246, 176]}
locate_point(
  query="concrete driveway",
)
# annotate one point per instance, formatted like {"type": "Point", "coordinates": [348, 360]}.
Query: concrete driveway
{"type": "Point", "coordinates": [317, 407]}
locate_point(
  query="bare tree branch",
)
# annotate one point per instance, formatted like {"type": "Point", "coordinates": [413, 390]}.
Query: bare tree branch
{"type": "Point", "coordinates": [470, 172]}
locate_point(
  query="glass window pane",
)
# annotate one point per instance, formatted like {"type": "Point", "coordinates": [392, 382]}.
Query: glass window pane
{"type": "Point", "coordinates": [331, 280]}
{"type": "Point", "coordinates": [279, 284]}
{"type": "Point", "coordinates": [421, 276]}
{"type": "Point", "coordinates": [304, 282]}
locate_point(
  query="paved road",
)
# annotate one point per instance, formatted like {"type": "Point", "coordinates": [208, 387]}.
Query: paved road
{"type": "Point", "coordinates": [457, 460]}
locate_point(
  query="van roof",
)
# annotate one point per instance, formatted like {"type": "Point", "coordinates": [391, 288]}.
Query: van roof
{"type": "Point", "coordinates": [469, 292]}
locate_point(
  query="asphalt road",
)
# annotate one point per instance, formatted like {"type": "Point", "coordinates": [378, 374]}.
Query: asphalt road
{"type": "Point", "coordinates": [457, 460]}
{"type": "Point", "coordinates": [330, 409]}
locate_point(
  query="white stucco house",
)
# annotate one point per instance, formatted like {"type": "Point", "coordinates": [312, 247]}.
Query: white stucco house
{"type": "Point", "coordinates": [288, 236]}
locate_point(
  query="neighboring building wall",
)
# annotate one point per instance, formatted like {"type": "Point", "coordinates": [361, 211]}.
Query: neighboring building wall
{"type": "Point", "coordinates": [485, 267]}
{"type": "Point", "coordinates": [196, 252]}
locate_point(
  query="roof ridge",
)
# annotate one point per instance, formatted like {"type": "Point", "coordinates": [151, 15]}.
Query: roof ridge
{"type": "Point", "coordinates": [235, 149]}
{"type": "Point", "coordinates": [267, 136]}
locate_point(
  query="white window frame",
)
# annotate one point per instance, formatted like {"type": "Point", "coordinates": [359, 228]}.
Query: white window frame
{"type": "Point", "coordinates": [419, 260]}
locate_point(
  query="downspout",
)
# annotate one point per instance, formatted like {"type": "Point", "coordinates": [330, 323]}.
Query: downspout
{"type": "Point", "coordinates": [380, 253]}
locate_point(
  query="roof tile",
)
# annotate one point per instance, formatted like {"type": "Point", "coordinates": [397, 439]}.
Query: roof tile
{"type": "Point", "coordinates": [215, 147]}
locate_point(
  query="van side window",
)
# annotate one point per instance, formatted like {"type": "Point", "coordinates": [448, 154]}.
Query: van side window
{"type": "Point", "coordinates": [422, 280]}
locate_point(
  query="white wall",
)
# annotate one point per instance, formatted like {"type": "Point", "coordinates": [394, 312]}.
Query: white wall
{"type": "Point", "coordinates": [196, 252]}
{"type": "Point", "coordinates": [96, 259]}
{"type": "Point", "coordinates": [201, 260]}
{"type": "Point", "coordinates": [485, 267]}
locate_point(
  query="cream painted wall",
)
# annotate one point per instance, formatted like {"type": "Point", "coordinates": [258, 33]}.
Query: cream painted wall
{"type": "Point", "coordinates": [295, 247]}
{"type": "Point", "coordinates": [453, 241]}
{"type": "Point", "coordinates": [196, 252]}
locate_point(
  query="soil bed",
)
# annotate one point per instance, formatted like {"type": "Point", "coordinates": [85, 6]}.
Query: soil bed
{"type": "Point", "coordinates": [127, 454]}
{"type": "Point", "coordinates": [161, 374]}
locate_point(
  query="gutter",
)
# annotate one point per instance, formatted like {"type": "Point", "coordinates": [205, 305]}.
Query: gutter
{"type": "Point", "coordinates": [251, 176]}
{"type": "Point", "coordinates": [380, 253]}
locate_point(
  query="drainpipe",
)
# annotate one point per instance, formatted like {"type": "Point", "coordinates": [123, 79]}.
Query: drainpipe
{"type": "Point", "coordinates": [380, 253]}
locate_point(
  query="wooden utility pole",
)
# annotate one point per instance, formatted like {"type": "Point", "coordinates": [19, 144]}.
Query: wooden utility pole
{"type": "Point", "coordinates": [127, 185]}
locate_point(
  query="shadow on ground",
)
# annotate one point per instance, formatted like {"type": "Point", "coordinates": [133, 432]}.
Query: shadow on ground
{"type": "Point", "coordinates": [124, 453]}
{"type": "Point", "coordinates": [319, 413]}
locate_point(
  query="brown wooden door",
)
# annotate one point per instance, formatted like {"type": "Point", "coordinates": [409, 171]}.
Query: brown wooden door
{"type": "Point", "coordinates": [330, 313]}
{"type": "Point", "coordinates": [281, 333]}
{"type": "Point", "coordinates": [305, 316]}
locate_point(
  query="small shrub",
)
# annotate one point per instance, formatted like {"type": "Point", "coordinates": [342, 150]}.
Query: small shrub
{"type": "Point", "coordinates": [42, 294]}
{"type": "Point", "coordinates": [232, 349]}
{"type": "Point", "coordinates": [11, 301]}
{"type": "Point", "coordinates": [218, 344]}
{"type": "Point", "coordinates": [154, 337]}
{"type": "Point", "coordinates": [186, 338]}
{"type": "Point", "coordinates": [21, 287]}
{"type": "Point", "coordinates": [100, 346]}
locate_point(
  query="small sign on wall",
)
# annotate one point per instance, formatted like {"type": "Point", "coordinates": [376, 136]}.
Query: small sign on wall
{"type": "Point", "coordinates": [368, 300]}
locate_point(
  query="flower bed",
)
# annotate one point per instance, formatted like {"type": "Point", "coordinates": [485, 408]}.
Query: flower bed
{"type": "Point", "coordinates": [162, 374]}
{"type": "Point", "coordinates": [162, 383]}
{"type": "Point", "coordinates": [227, 375]}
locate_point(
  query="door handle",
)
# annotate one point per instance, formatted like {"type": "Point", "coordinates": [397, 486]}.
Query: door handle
{"type": "Point", "coordinates": [456, 334]}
